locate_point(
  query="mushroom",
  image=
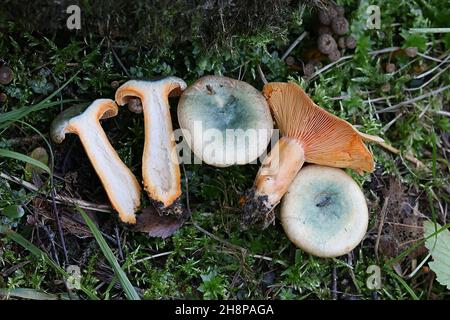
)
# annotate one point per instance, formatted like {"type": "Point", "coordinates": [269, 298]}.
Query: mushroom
{"type": "Point", "coordinates": [324, 212]}
{"type": "Point", "coordinates": [160, 168]}
{"type": "Point", "coordinates": [326, 43]}
{"type": "Point", "coordinates": [6, 75]}
{"type": "Point", "coordinates": [308, 133]}
{"type": "Point", "coordinates": [234, 113]}
{"type": "Point", "coordinates": [120, 184]}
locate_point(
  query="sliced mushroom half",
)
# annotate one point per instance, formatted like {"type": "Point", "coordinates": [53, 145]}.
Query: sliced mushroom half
{"type": "Point", "coordinates": [160, 167]}
{"type": "Point", "coordinates": [120, 184]}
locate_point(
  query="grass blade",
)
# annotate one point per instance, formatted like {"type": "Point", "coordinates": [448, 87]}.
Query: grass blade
{"type": "Point", "coordinates": [30, 294]}
{"type": "Point", "coordinates": [21, 157]}
{"type": "Point", "coordinates": [7, 118]}
{"type": "Point", "coordinates": [127, 287]}
{"type": "Point", "coordinates": [10, 234]}
{"type": "Point", "coordinates": [404, 284]}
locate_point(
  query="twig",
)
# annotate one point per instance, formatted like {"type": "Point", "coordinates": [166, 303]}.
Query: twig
{"type": "Point", "coordinates": [58, 225]}
{"type": "Point", "coordinates": [432, 69]}
{"type": "Point", "coordinates": [118, 59]}
{"type": "Point", "coordinates": [158, 255]}
{"type": "Point", "coordinates": [394, 150]}
{"type": "Point", "coordinates": [429, 30]}
{"type": "Point", "coordinates": [23, 140]}
{"type": "Point", "coordinates": [410, 101]}
{"type": "Point", "coordinates": [293, 45]}
{"type": "Point", "coordinates": [443, 113]}
{"type": "Point", "coordinates": [380, 225]}
{"type": "Point", "coordinates": [429, 81]}
{"type": "Point", "coordinates": [58, 198]}
{"type": "Point", "coordinates": [352, 274]}
{"type": "Point", "coordinates": [51, 237]}
{"type": "Point", "coordinates": [334, 283]}
{"type": "Point", "coordinates": [372, 53]}
{"type": "Point", "coordinates": [423, 55]}
{"type": "Point", "coordinates": [119, 246]}
{"type": "Point", "coordinates": [261, 74]}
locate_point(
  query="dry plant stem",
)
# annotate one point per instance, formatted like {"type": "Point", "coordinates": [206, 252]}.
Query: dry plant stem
{"type": "Point", "coordinates": [58, 198]}
{"type": "Point", "coordinates": [410, 101]}
{"type": "Point", "coordinates": [334, 291]}
{"type": "Point", "coordinates": [394, 150]}
{"type": "Point", "coordinates": [293, 45]}
{"type": "Point", "coordinates": [380, 226]}
{"type": "Point", "coordinates": [58, 223]}
{"type": "Point", "coordinates": [261, 74]}
{"type": "Point", "coordinates": [372, 53]}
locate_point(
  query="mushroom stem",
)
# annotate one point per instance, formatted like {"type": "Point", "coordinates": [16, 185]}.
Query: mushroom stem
{"type": "Point", "coordinates": [160, 169]}
{"type": "Point", "coordinates": [120, 184]}
{"type": "Point", "coordinates": [273, 179]}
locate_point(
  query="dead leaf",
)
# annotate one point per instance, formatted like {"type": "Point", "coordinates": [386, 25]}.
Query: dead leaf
{"type": "Point", "coordinates": [157, 225]}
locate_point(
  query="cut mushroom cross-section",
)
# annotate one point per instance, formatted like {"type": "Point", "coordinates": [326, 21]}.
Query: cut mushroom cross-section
{"type": "Point", "coordinates": [225, 121]}
{"type": "Point", "coordinates": [309, 134]}
{"type": "Point", "coordinates": [160, 168]}
{"type": "Point", "coordinates": [324, 211]}
{"type": "Point", "coordinates": [120, 184]}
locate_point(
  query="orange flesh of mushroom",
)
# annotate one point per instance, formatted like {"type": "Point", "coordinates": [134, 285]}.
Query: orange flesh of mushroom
{"type": "Point", "coordinates": [160, 169]}
{"type": "Point", "coordinates": [309, 134]}
{"type": "Point", "coordinates": [120, 184]}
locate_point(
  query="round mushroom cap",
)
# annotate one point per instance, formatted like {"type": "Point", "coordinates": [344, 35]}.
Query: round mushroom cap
{"type": "Point", "coordinates": [324, 212]}
{"type": "Point", "coordinates": [225, 121]}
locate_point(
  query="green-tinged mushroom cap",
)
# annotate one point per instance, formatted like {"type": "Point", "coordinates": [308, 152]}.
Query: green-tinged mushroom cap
{"type": "Point", "coordinates": [324, 211]}
{"type": "Point", "coordinates": [60, 125]}
{"type": "Point", "coordinates": [219, 112]}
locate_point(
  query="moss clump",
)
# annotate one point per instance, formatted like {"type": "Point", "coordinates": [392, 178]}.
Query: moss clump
{"type": "Point", "coordinates": [157, 24]}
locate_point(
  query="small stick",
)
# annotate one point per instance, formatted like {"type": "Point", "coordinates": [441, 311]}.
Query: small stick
{"type": "Point", "coordinates": [58, 198]}
{"type": "Point", "coordinates": [410, 101]}
{"type": "Point", "coordinates": [334, 283]}
{"type": "Point", "coordinates": [118, 60]}
{"type": "Point", "coordinates": [119, 246]}
{"type": "Point", "coordinates": [58, 225]}
{"type": "Point", "coordinates": [394, 150]}
{"type": "Point", "coordinates": [261, 74]}
{"type": "Point", "coordinates": [372, 53]}
{"type": "Point", "coordinates": [380, 226]}
{"type": "Point", "coordinates": [23, 140]}
{"type": "Point", "coordinates": [158, 255]}
{"type": "Point", "coordinates": [293, 45]}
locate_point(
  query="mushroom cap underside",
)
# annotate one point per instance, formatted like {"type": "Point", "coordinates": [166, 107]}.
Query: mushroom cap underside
{"type": "Point", "coordinates": [99, 109]}
{"type": "Point", "coordinates": [225, 121]}
{"type": "Point", "coordinates": [326, 139]}
{"type": "Point", "coordinates": [324, 211]}
{"type": "Point", "coordinates": [140, 88]}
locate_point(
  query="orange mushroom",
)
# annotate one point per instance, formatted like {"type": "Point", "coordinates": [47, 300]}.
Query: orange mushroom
{"type": "Point", "coordinates": [119, 182]}
{"type": "Point", "coordinates": [160, 168]}
{"type": "Point", "coordinates": [309, 133]}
